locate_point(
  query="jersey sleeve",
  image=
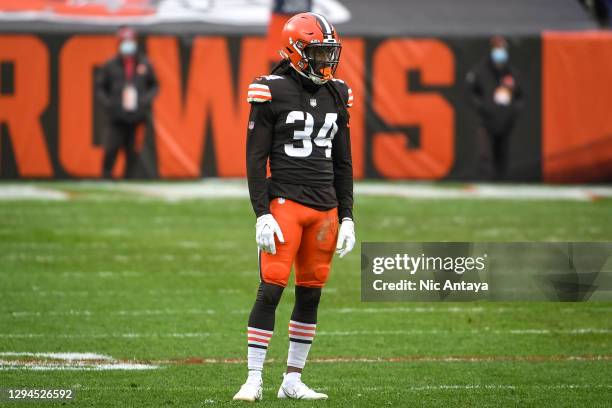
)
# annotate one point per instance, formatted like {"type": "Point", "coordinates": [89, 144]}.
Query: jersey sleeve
{"type": "Point", "coordinates": [343, 172]}
{"type": "Point", "coordinates": [345, 91]}
{"type": "Point", "coordinates": [342, 158]}
{"type": "Point", "coordinates": [259, 141]}
{"type": "Point", "coordinates": [260, 90]}
{"type": "Point", "coordinates": [349, 101]}
{"type": "Point", "coordinates": [259, 93]}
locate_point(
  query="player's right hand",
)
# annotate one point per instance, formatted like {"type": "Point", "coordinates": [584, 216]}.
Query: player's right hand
{"type": "Point", "coordinates": [265, 229]}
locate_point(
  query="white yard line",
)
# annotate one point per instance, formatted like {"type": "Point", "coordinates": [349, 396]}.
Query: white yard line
{"type": "Point", "coordinates": [484, 191]}
{"type": "Point", "coordinates": [68, 293]}
{"type": "Point", "coordinates": [229, 188]}
{"type": "Point", "coordinates": [400, 359]}
{"type": "Point", "coordinates": [206, 189]}
{"type": "Point", "coordinates": [57, 356]}
{"type": "Point", "coordinates": [171, 312]}
{"type": "Point", "coordinates": [39, 366]}
{"type": "Point", "coordinates": [102, 274]}
{"type": "Point", "coordinates": [145, 312]}
{"type": "Point", "coordinates": [474, 331]}
{"type": "Point", "coordinates": [103, 335]}
{"type": "Point", "coordinates": [67, 361]}
{"type": "Point", "coordinates": [412, 388]}
{"type": "Point", "coordinates": [417, 309]}
{"type": "Point", "coordinates": [97, 362]}
{"type": "Point", "coordinates": [586, 309]}
{"type": "Point", "coordinates": [237, 188]}
{"type": "Point", "coordinates": [466, 387]}
{"type": "Point", "coordinates": [195, 311]}
{"type": "Point", "coordinates": [28, 192]}
{"type": "Point", "coordinates": [526, 331]}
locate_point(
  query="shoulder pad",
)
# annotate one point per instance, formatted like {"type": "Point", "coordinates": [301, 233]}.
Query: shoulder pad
{"type": "Point", "coordinates": [347, 92]}
{"type": "Point", "coordinates": [270, 77]}
{"type": "Point", "coordinates": [260, 90]}
{"type": "Point", "coordinates": [258, 93]}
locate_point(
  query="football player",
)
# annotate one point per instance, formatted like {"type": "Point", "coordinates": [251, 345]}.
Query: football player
{"type": "Point", "coordinates": [299, 122]}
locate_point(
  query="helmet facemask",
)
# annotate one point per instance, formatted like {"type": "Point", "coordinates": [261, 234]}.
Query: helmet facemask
{"type": "Point", "coordinates": [322, 61]}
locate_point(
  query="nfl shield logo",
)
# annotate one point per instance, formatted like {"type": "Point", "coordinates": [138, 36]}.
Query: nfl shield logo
{"type": "Point", "coordinates": [313, 102]}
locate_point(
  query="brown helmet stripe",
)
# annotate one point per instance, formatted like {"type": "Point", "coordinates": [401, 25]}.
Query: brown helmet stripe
{"type": "Point", "coordinates": [326, 27]}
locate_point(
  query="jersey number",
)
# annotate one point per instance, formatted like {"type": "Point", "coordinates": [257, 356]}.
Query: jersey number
{"type": "Point", "coordinates": [323, 139]}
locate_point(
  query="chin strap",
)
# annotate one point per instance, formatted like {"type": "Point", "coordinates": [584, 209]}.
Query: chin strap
{"type": "Point", "coordinates": [317, 80]}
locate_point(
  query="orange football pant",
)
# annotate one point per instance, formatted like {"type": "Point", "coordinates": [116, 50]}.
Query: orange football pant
{"type": "Point", "coordinates": [310, 240]}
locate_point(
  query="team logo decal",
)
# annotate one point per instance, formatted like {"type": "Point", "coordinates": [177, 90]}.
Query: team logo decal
{"type": "Point", "coordinates": [251, 125]}
{"type": "Point", "coordinates": [313, 102]}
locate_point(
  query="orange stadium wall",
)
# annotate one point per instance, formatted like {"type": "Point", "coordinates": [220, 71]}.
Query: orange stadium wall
{"type": "Point", "coordinates": [411, 118]}
{"type": "Point", "coordinates": [577, 107]}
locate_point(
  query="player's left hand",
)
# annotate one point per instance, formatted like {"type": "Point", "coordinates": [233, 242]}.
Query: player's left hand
{"type": "Point", "coordinates": [346, 237]}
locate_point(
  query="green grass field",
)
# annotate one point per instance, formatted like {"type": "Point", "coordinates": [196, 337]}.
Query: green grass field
{"type": "Point", "coordinates": [170, 284]}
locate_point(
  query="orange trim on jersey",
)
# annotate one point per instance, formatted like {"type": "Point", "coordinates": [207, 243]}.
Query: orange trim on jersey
{"type": "Point", "coordinates": [259, 95]}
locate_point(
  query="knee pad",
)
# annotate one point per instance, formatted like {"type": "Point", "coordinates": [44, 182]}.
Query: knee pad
{"type": "Point", "coordinates": [306, 304]}
{"type": "Point", "coordinates": [322, 274]}
{"type": "Point", "coordinates": [269, 295]}
{"type": "Point", "coordinates": [274, 272]}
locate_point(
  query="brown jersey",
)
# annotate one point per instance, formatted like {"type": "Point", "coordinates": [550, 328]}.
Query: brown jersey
{"type": "Point", "coordinates": [297, 126]}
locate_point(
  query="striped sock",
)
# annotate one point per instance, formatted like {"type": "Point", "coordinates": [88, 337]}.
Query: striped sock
{"type": "Point", "coordinates": [300, 340]}
{"type": "Point", "coordinates": [258, 340]}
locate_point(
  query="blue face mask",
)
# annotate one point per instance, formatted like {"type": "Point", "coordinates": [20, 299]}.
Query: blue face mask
{"type": "Point", "coordinates": [127, 47]}
{"type": "Point", "coordinates": [499, 55]}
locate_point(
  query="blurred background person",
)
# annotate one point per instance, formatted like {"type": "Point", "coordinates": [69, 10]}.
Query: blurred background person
{"type": "Point", "coordinates": [495, 92]}
{"type": "Point", "coordinates": [599, 10]}
{"type": "Point", "coordinates": [126, 86]}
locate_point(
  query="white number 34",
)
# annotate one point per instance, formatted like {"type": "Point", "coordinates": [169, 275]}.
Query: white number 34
{"type": "Point", "coordinates": [324, 137]}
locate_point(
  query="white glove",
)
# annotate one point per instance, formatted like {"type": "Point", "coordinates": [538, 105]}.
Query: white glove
{"type": "Point", "coordinates": [346, 237]}
{"type": "Point", "coordinates": [265, 228]}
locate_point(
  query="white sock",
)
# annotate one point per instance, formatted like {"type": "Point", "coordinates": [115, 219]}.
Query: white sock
{"type": "Point", "coordinates": [300, 340]}
{"type": "Point", "coordinates": [256, 358]}
{"type": "Point", "coordinates": [258, 340]}
{"type": "Point", "coordinates": [255, 374]}
{"type": "Point", "coordinates": [292, 377]}
{"type": "Point", "coordinates": [298, 353]}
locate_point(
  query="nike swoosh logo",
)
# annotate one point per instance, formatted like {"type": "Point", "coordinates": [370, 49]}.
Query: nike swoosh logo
{"type": "Point", "coordinates": [290, 394]}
